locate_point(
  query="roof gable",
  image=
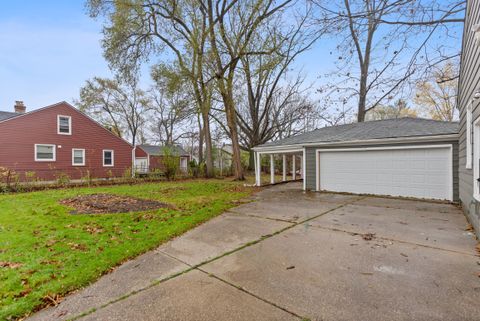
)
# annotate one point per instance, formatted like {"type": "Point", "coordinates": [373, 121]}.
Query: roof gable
{"type": "Point", "coordinates": [62, 103]}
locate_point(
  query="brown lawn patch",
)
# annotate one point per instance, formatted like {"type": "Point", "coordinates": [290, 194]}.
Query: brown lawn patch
{"type": "Point", "coordinates": [108, 203]}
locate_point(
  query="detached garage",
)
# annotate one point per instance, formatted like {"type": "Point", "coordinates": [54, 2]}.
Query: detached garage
{"type": "Point", "coordinates": [406, 157]}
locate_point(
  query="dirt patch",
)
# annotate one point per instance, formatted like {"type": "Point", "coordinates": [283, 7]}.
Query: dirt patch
{"type": "Point", "coordinates": [107, 203]}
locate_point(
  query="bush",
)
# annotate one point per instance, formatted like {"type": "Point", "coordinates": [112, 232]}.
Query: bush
{"type": "Point", "coordinates": [63, 179]}
{"type": "Point", "coordinates": [171, 163]}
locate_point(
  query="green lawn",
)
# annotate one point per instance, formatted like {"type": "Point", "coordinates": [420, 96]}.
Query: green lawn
{"type": "Point", "coordinates": [54, 252]}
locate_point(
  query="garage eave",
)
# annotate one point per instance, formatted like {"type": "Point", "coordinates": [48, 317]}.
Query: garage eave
{"type": "Point", "coordinates": [381, 141]}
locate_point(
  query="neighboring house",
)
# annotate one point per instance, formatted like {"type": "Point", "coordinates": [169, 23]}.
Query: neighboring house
{"type": "Point", "coordinates": [468, 103]}
{"type": "Point", "coordinates": [149, 158]}
{"type": "Point", "coordinates": [410, 157]}
{"type": "Point", "coordinates": [223, 158]}
{"type": "Point", "coordinates": [60, 140]}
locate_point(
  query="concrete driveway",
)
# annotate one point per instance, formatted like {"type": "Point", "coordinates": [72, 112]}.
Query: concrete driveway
{"type": "Point", "coordinates": [291, 255]}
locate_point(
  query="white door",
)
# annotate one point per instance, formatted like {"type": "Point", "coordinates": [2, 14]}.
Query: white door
{"type": "Point", "coordinates": [413, 172]}
{"type": "Point", "coordinates": [141, 165]}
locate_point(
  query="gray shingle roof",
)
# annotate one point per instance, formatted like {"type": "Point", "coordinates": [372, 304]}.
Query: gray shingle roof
{"type": "Point", "coordinates": [379, 129]}
{"type": "Point", "coordinates": [6, 115]}
{"type": "Point", "coordinates": [160, 150]}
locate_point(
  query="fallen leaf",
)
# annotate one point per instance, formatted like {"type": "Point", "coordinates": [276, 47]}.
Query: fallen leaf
{"type": "Point", "coordinates": [10, 265]}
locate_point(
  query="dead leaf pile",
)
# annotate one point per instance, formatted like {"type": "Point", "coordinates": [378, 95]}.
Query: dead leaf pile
{"type": "Point", "coordinates": [10, 265]}
{"type": "Point", "coordinates": [108, 203]}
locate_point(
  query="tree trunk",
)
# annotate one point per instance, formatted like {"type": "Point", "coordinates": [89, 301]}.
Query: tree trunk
{"type": "Point", "coordinates": [200, 141]}
{"type": "Point", "coordinates": [251, 160]}
{"type": "Point", "coordinates": [208, 144]}
{"type": "Point", "coordinates": [362, 99]}
{"type": "Point", "coordinates": [232, 125]}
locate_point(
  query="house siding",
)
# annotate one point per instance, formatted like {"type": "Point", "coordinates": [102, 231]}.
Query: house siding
{"type": "Point", "coordinates": [19, 135]}
{"type": "Point", "coordinates": [469, 82]}
{"type": "Point", "coordinates": [311, 161]}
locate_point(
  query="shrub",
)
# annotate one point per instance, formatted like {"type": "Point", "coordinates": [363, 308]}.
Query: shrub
{"type": "Point", "coordinates": [171, 163]}
{"type": "Point", "coordinates": [63, 179]}
{"type": "Point", "coordinates": [193, 168]}
{"type": "Point", "coordinates": [9, 177]}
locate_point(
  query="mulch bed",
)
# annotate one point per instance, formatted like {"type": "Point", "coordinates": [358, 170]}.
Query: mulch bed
{"type": "Point", "coordinates": [108, 203]}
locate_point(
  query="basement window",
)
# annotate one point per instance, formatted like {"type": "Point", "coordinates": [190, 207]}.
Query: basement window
{"type": "Point", "coordinates": [107, 157]}
{"type": "Point", "coordinates": [44, 153]}
{"type": "Point", "coordinates": [64, 125]}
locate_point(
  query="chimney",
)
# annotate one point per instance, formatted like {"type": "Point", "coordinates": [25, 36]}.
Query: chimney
{"type": "Point", "coordinates": [20, 107]}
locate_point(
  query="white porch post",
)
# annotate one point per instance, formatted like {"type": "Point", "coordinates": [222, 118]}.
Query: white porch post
{"type": "Point", "coordinates": [258, 170]}
{"type": "Point", "coordinates": [272, 169]}
{"type": "Point", "coordinates": [284, 167]}
{"type": "Point", "coordinates": [301, 166]}
{"type": "Point", "coordinates": [293, 167]}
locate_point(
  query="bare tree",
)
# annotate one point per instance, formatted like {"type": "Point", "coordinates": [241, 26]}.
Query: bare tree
{"type": "Point", "coordinates": [172, 106]}
{"type": "Point", "coordinates": [137, 31]}
{"type": "Point", "coordinates": [232, 28]}
{"type": "Point", "coordinates": [399, 109]}
{"type": "Point", "coordinates": [438, 95]}
{"type": "Point", "coordinates": [276, 103]}
{"type": "Point", "coordinates": [116, 104]}
{"type": "Point", "coordinates": [385, 43]}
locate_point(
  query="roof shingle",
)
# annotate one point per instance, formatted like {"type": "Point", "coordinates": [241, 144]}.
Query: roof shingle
{"type": "Point", "coordinates": [160, 150]}
{"type": "Point", "coordinates": [6, 115]}
{"type": "Point", "coordinates": [379, 129]}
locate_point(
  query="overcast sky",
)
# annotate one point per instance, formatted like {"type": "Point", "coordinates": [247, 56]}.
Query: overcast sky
{"type": "Point", "coordinates": [49, 48]}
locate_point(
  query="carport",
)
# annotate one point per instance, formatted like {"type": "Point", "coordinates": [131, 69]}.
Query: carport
{"type": "Point", "coordinates": [295, 156]}
{"type": "Point", "coordinates": [406, 157]}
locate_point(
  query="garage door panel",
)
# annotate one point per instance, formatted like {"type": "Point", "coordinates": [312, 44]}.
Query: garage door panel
{"type": "Point", "coordinates": [414, 172]}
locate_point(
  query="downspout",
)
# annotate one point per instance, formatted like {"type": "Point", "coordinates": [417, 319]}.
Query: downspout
{"type": "Point", "coordinates": [133, 161]}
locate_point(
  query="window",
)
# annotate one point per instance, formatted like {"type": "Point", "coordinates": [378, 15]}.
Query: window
{"type": "Point", "coordinates": [64, 125]}
{"type": "Point", "coordinates": [107, 157]}
{"type": "Point", "coordinates": [468, 133]}
{"type": "Point", "coordinates": [44, 153]}
{"type": "Point", "coordinates": [78, 157]}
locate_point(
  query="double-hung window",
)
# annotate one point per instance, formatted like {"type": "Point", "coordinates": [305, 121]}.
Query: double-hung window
{"type": "Point", "coordinates": [44, 153]}
{"type": "Point", "coordinates": [108, 157]}
{"type": "Point", "coordinates": [78, 157]}
{"type": "Point", "coordinates": [64, 125]}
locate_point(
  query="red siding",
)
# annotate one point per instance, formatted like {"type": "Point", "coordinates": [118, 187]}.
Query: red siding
{"type": "Point", "coordinates": [140, 153]}
{"type": "Point", "coordinates": [156, 162]}
{"type": "Point", "coordinates": [19, 135]}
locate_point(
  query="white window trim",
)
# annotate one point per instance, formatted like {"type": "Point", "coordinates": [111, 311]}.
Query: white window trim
{"type": "Point", "coordinates": [468, 133]}
{"type": "Point", "coordinates": [73, 156]}
{"type": "Point", "coordinates": [476, 158]}
{"type": "Point", "coordinates": [113, 157]}
{"type": "Point", "coordinates": [69, 125]}
{"type": "Point", "coordinates": [46, 160]}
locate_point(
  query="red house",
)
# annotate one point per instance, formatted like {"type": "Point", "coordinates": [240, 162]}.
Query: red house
{"type": "Point", "coordinates": [60, 140]}
{"type": "Point", "coordinates": [149, 158]}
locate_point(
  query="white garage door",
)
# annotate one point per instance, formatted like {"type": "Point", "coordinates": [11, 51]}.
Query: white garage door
{"type": "Point", "coordinates": [414, 172]}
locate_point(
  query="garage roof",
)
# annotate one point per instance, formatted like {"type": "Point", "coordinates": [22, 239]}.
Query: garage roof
{"type": "Point", "coordinates": [378, 129]}
{"type": "Point", "coordinates": [160, 150]}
